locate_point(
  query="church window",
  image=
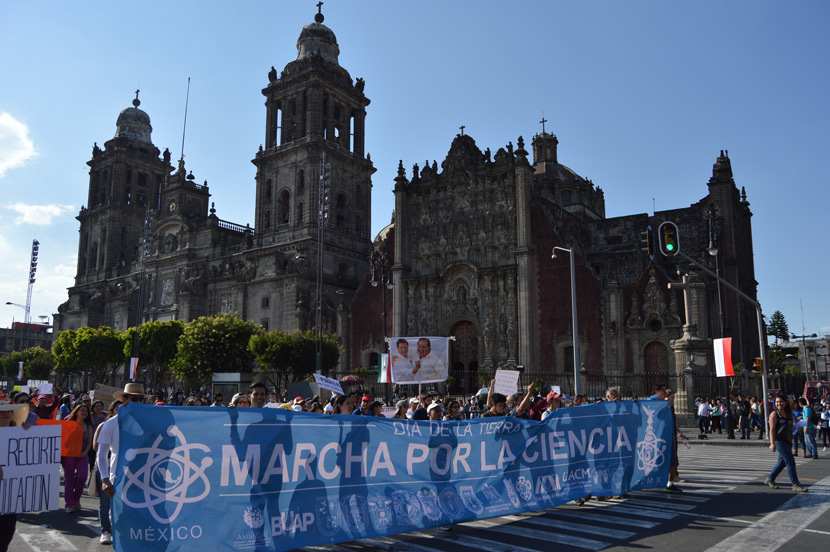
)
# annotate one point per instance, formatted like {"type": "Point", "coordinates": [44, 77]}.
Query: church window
{"type": "Point", "coordinates": [300, 213]}
{"type": "Point", "coordinates": [284, 212]}
{"type": "Point", "coordinates": [268, 190]}
{"type": "Point", "coordinates": [340, 212]}
{"type": "Point", "coordinates": [93, 257]}
{"type": "Point", "coordinates": [342, 272]}
{"type": "Point", "coordinates": [142, 179]}
{"type": "Point", "coordinates": [266, 301]}
{"type": "Point", "coordinates": [300, 181]}
{"type": "Point", "coordinates": [568, 357]}
{"type": "Point", "coordinates": [264, 324]}
{"type": "Point", "coordinates": [566, 198]}
{"type": "Point", "coordinates": [267, 220]}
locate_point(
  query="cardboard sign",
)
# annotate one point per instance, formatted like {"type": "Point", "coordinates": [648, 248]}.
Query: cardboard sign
{"type": "Point", "coordinates": [31, 469]}
{"type": "Point", "coordinates": [555, 389]}
{"type": "Point", "coordinates": [45, 389]}
{"type": "Point", "coordinates": [507, 382]}
{"type": "Point", "coordinates": [328, 383]}
{"type": "Point", "coordinates": [104, 393]}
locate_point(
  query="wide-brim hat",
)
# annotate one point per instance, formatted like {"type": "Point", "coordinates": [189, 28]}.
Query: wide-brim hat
{"type": "Point", "coordinates": [131, 388]}
{"type": "Point", "coordinates": [19, 412]}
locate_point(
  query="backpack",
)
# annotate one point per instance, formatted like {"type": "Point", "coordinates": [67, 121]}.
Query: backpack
{"type": "Point", "coordinates": [815, 417]}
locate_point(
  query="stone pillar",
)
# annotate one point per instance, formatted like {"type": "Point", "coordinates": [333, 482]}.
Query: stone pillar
{"type": "Point", "coordinates": [689, 351]}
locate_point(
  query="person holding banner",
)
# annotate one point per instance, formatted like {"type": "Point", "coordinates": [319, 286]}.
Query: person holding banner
{"type": "Point", "coordinates": [11, 415]}
{"type": "Point", "coordinates": [76, 468]}
{"type": "Point", "coordinates": [103, 498]}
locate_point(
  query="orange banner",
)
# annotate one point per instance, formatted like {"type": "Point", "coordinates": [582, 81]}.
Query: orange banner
{"type": "Point", "coordinates": [72, 436]}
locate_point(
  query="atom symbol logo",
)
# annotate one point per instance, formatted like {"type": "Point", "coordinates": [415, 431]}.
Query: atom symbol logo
{"type": "Point", "coordinates": [166, 476]}
{"type": "Point", "coordinates": [650, 451]}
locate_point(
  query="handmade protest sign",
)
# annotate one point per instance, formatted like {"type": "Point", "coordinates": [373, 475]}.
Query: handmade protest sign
{"type": "Point", "coordinates": [328, 383]}
{"type": "Point", "coordinates": [31, 460]}
{"type": "Point", "coordinates": [271, 479]}
{"type": "Point", "coordinates": [507, 382]}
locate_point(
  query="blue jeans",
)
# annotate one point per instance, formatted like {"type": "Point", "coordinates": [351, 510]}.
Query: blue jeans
{"type": "Point", "coordinates": [785, 458]}
{"type": "Point", "coordinates": [103, 506]}
{"type": "Point", "coordinates": [799, 438]}
{"type": "Point", "coordinates": [810, 438]}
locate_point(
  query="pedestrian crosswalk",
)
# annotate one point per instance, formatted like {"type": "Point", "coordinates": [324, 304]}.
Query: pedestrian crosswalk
{"type": "Point", "coordinates": [706, 471]}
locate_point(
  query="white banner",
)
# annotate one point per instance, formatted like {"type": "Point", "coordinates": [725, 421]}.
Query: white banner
{"type": "Point", "coordinates": [328, 383]}
{"type": "Point", "coordinates": [45, 389]}
{"type": "Point", "coordinates": [419, 359]}
{"type": "Point", "coordinates": [31, 460]}
{"type": "Point", "coordinates": [507, 382]}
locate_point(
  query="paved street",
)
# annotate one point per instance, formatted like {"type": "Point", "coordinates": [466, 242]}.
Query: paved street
{"type": "Point", "coordinates": [725, 507]}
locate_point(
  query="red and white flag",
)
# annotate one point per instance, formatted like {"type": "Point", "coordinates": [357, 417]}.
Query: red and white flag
{"type": "Point", "coordinates": [385, 371]}
{"type": "Point", "coordinates": [133, 367]}
{"type": "Point", "coordinates": [723, 357]}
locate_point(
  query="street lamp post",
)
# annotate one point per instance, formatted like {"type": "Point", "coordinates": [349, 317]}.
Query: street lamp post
{"type": "Point", "coordinates": [381, 275]}
{"type": "Point", "coordinates": [804, 347]}
{"type": "Point", "coordinates": [824, 359]}
{"type": "Point", "coordinates": [570, 252]}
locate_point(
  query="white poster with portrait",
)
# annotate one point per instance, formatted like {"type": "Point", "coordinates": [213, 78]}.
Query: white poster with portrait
{"type": "Point", "coordinates": [416, 360]}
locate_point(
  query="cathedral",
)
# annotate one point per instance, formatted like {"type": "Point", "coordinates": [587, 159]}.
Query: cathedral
{"type": "Point", "coordinates": [469, 250]}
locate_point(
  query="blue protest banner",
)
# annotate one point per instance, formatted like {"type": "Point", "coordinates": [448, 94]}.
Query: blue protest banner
{"type": "Point", "coordinates": [270, 479]}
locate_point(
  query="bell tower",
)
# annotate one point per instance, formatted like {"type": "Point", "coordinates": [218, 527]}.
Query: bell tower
{"type": "Point", "coordinates": [124, 181]}
{"type": "Point", "coordinates": [313, 182]}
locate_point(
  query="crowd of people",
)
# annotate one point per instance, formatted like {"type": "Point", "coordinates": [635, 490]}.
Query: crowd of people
{"type": "Point", "coordinates": [791, 422]}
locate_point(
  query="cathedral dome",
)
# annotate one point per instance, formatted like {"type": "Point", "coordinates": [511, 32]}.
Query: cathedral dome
{"type": "Point", "coordinates": [318, 40]}
{"type": "Point", "coordinates": [134, 123]}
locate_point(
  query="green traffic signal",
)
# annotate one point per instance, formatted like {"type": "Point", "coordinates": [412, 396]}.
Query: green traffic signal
{"type": "Point", "coordinates": [667, 236]}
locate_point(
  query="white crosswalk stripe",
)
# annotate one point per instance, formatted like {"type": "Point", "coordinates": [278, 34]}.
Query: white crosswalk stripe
{"type": "Point", "coordinates": [597, 525]}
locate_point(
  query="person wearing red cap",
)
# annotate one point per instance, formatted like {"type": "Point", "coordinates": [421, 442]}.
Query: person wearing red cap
{"type": "Point", "coordinates": [365, 408]}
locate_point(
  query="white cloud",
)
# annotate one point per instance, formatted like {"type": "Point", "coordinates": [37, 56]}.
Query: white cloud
{"type": "Point", "coordinates": [39, 215]}
{"type": "Point", "coordinates": [15, 146]}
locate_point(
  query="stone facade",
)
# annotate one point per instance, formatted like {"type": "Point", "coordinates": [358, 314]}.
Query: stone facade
{"type": "Point", "coordinates": [470, 244]}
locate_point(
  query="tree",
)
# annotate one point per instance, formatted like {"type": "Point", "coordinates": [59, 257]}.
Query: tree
{"type": "Point", "coordinates": [38, 363]}
{"type": "Point", "coordinates": [96, 351]}
{"type": "Point", "coordinates": [157, 345]}
{"type": "Point", "coordinates": [777, 327]}
{"type": "Point", "coordinates": [292, 357]}
{"type": "Point", "coordinates": [214, 344]}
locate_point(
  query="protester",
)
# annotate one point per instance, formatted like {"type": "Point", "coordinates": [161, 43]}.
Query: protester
{"type": "Point", "coordinates": [400, 409]}
{"type": "Point", "coordinates": [258, 392]}
{"type": "Point", "coordinates": [316, 408]}
{"type": "Point", "coordinates": [780, 432]}
{"type": "Point", "coordinates": [365, 407]}
{"type": "Point", "coordinates": [499, 403]}
{"type": "Point", "coordinates": [435, 411]}
{"type": "Point", "coordinates": [193, 401]}
{"type": "Point", "coordinates": [554, 401]}
{"type": "Point", "coordinates": [104, 498]}
{"type": "Point", "coordinates": [298, 405]}
{"type": "Point", "coordinates": [76, 468]}
{"type": "Point", "coordinates": [11, 415]}
{"type": "Point", "coordinates": [272, 401]}
{"type": "Point", "coordinates": [342, 405]}
{"type": "Point", "coordinates": [43, 410]}
{"type": "Point", "coordinates": [240, 399]}
{"type": "Point", "coordinates": [377, 408]}
{"type": "Point", "coordinates": [453, 412]}
{"type": "Point", "coordinates": [809, 428]}
{"type": "Point", "coordinates": [217, 399]}
{"type": "Point", "coordinates": [825, 425]}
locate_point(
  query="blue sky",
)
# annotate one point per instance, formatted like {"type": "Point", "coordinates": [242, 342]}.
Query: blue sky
{"type": "Point", "coordinates": [641, 94]}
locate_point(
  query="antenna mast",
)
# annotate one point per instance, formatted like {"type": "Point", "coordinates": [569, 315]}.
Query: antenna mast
{"type": "Point", "coordinates": [184, 127]}
{"type": "Point", "coordinates": [32, 271]}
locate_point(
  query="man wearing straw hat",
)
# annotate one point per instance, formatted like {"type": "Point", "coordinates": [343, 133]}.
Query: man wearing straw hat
{"type": "Point", "coordinates": [108, 437]}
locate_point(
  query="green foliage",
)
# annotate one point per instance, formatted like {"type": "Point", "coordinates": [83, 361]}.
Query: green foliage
{"type": "Point", "coordinates": [214, 344]}
{"type": "Point", "coordinates": [157, 345]}
{"type": "Point", "coordinates": [292, 357]}
{"type": "Point", "coordinates": [9, 365]}
{"type": "Point", "coordinates": [38, 363]}
{"type": "Point", "coordinates": [484, 376]}
{"type": "Point", "coordinates": [98, 351]}
{"type": "Point", "coordinates": [777, 327]}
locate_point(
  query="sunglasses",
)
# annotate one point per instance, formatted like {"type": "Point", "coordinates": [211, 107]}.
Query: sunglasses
{"type": "Point", "coordinates": [243, 403]}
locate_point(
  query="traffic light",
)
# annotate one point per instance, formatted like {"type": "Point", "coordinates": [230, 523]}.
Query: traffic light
{"type": "Point", "coordinates": [668, 239]}
{"type": "Point", "coordinates": [647, 239]}
{"type": "Point", "coordinates": [757, 365]}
